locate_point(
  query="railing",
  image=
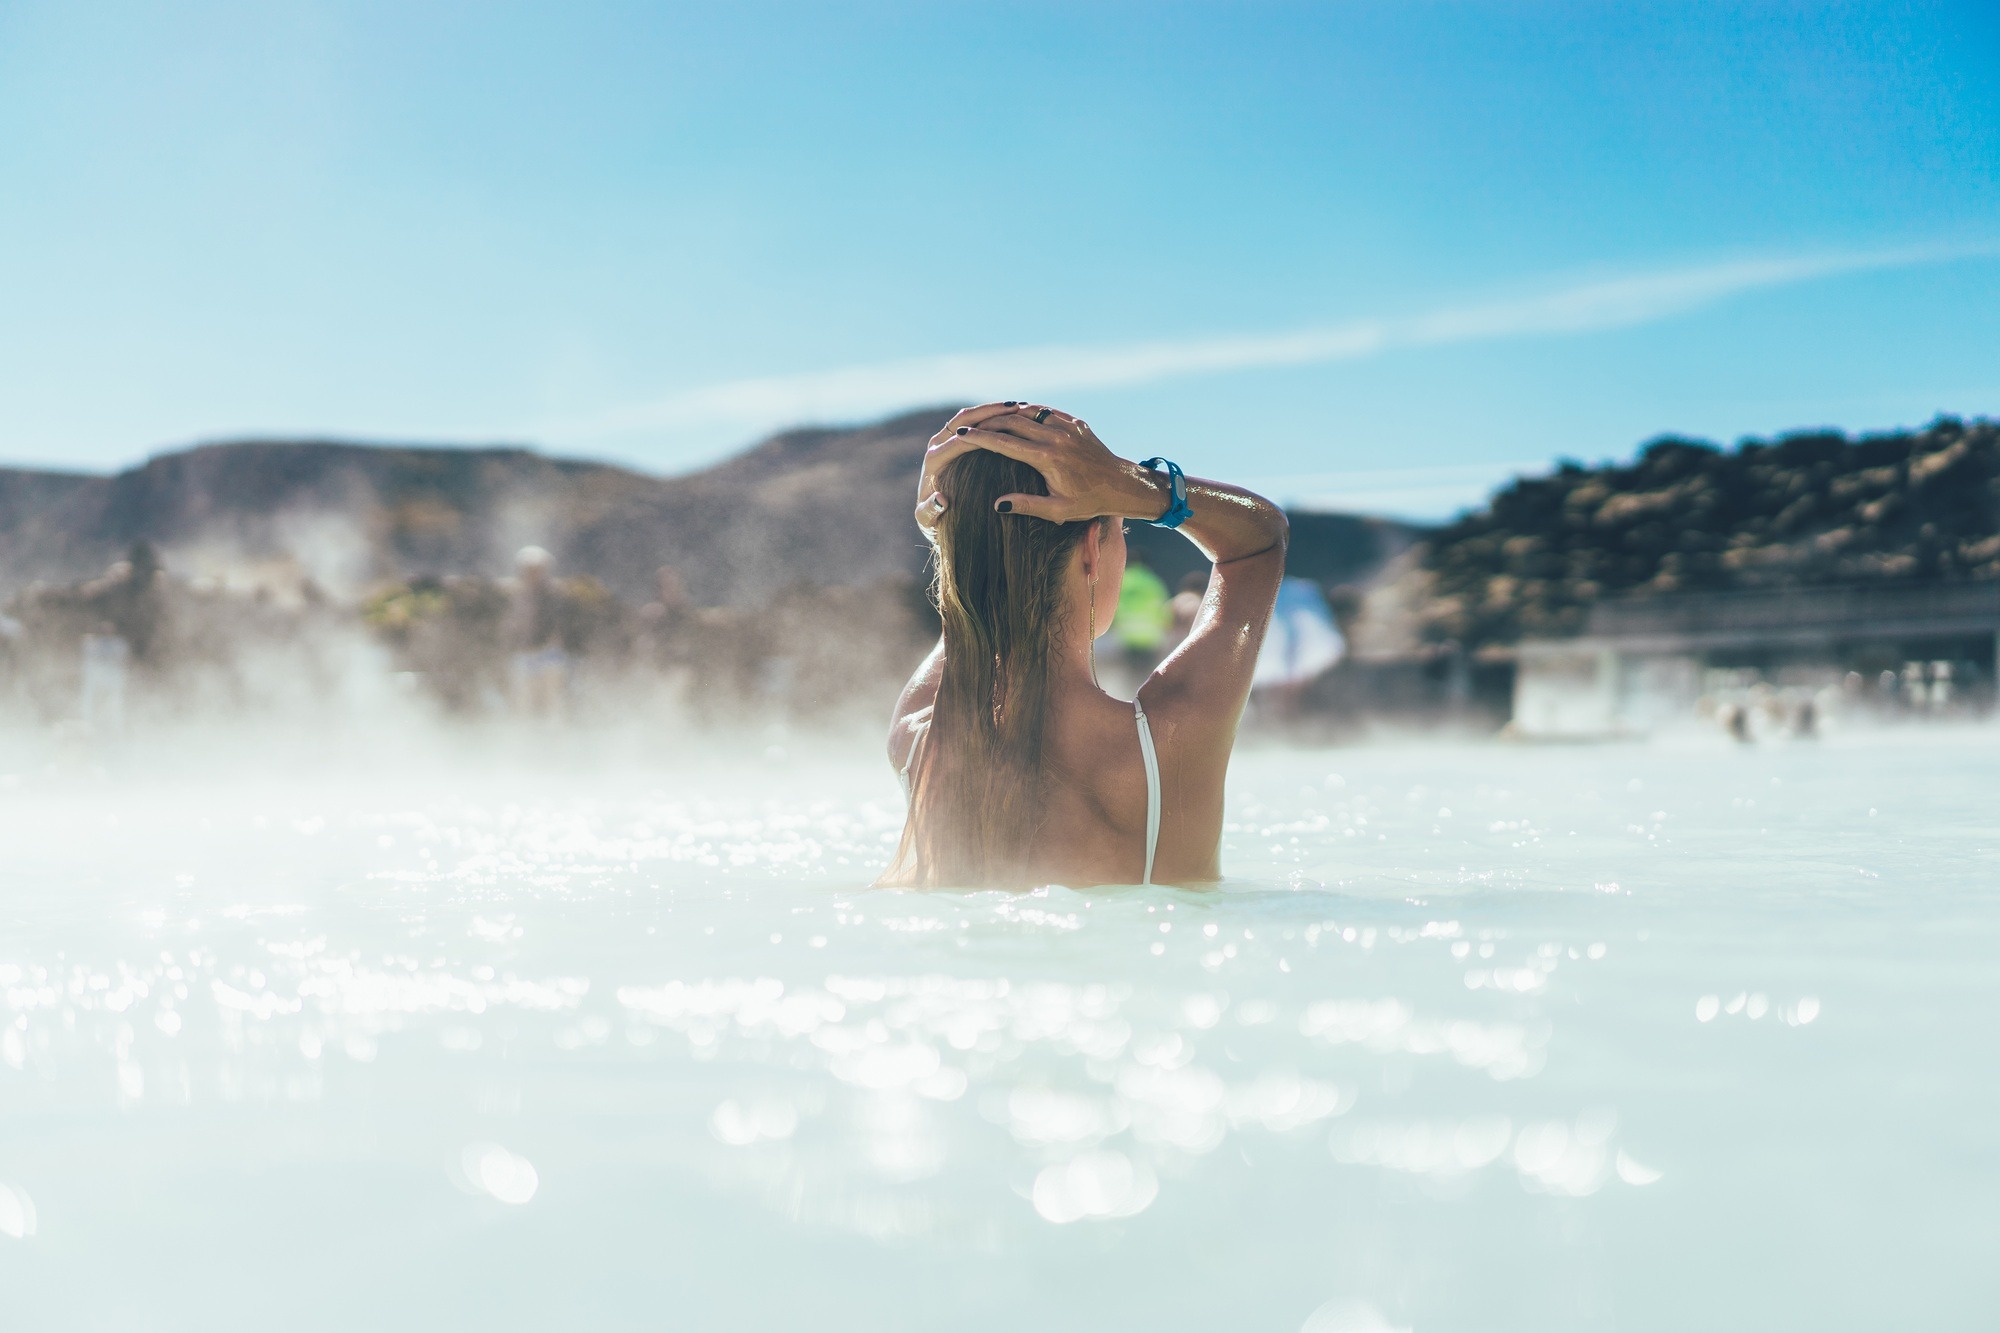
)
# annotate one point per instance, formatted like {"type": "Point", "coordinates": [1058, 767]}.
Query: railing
{"type": "Point", "coordinates": [1836, 608]}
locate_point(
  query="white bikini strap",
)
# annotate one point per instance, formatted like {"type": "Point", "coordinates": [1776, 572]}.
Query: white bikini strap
{"type": "Point", "coordinates": [1152, 788]}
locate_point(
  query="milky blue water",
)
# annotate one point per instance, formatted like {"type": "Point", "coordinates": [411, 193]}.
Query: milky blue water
{"type": "Point", "coordinates": [1476, 1037]}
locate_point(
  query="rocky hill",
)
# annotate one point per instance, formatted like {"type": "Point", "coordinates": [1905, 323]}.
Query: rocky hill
{"type": "Point", "coordinates": [827, 507]}
{"type": "Point", "coordinates": [1815, 508]}
{"type": "Point", "coordinates": [806, 503]}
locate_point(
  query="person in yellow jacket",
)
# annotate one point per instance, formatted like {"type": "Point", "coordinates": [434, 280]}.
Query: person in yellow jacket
{"type": "Point", "coordinates": [1145, 615]}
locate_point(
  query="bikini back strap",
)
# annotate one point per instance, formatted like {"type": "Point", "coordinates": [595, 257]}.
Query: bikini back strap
{"type": "Point", "coordinates": [1152, 761]}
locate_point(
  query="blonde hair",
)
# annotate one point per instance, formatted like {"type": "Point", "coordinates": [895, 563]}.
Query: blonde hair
{"type": "Point", "coordinates": [977, 782]}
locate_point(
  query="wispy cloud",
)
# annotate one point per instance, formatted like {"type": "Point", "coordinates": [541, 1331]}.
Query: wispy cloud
{"type": "Point", "coordinates": [851, 391]}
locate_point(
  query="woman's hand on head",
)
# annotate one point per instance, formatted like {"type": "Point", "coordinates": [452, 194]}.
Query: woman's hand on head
{"type": "Point", "coordinates": [1085, 479]}
{"type": "Point", "coordinates": [946, 445]}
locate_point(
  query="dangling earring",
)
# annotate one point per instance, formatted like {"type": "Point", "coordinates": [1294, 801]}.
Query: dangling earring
{"type": "Point", "coordinates": [1092, 649]}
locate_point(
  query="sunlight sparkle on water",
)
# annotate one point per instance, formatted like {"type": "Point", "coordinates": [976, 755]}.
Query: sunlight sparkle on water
{"type": "Point", "coordinates": [662, 1009]}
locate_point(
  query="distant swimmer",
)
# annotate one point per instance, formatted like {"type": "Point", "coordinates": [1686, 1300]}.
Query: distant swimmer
{"type": "Point", "coordinates": [1020, 769]}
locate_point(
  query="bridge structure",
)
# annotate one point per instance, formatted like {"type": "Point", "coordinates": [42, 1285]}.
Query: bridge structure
{"type": "Point", "coordinates": [1643, 663]}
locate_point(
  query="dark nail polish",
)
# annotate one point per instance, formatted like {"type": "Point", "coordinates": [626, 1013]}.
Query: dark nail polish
{"type": "Point", "coordinates": [1005, 506]}
{"type": "Point", "coordinates": [963, 429]}
{"type": "Point", "coordinates": [1010, 403]}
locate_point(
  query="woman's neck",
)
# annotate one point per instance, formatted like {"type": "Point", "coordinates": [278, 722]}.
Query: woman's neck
{"type": "Point", "coordinates": [1073, 665]}
{"type": "Point", "coordinates": [1072, 659]}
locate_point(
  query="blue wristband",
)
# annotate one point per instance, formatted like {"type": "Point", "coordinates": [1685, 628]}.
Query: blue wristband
{"type": "Point", "coordinates": [1177, 505]}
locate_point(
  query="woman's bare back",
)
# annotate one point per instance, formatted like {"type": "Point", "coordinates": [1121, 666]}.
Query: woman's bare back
{"type": "Point", "coordinates": [1094, 820]}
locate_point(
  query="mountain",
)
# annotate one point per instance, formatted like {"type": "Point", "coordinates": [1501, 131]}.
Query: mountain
{"type": "Point", "coordinates": [827, 506]}
{"type": "Point", "coordinates": [815, 504]}
{"type": "Point", "coordinates": [346, 513]}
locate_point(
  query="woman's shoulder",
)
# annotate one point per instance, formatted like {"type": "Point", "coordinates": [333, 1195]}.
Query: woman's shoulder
{"type": "Point", "coordinates": [1084, 728]}
{"type": "Point", "coordinates": [1193, 727]}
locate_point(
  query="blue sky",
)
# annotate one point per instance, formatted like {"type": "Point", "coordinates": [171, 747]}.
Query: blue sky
{"type": "Point", "coordinates": [1369, 255]}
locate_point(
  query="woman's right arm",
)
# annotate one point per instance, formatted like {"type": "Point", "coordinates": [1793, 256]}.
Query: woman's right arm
{"type": "Point", "coordinates": [1229, 524]}
{"type": "Point", "coordinates": [1204, 683]}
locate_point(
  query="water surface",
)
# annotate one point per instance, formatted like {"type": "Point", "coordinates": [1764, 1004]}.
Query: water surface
{"type": "Point", "coordinates": [1477, 1037]}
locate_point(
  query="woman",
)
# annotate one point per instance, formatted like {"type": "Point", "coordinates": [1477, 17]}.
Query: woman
{"type": "Point", "coordinates": [1020, 770]}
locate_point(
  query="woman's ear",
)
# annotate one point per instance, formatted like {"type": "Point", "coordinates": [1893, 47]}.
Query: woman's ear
{"type": "Point", "coordinates": [1090, 549]}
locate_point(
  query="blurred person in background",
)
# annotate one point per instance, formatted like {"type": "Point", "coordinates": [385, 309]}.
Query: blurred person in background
{"type": "Point", "coordinates": [1303, 642]}
{"type": "Point", "coordinates": [132, 596]}
{"type": "Point", "coordinates": [128, 600]}
{"type": "Point", "coordinates": [1185, 606]}
{"type": "Point", "coordinates": [727, 668]}
{"type": "Point", "coordinates": [539, 666]}
{"type": "Point", "coordinates": [1144, 618]}
{"type": "Point", "coordinates": [106, 661]}
{"type": "Point", "coordinates": [1805, 719]}
{"type": "Point", "coordinates": [667, 620]}
{"type": "Point", "coordinates": [1020, 769]}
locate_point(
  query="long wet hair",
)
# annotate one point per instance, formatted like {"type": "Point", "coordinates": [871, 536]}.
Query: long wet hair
{"type": "Point", "coordinates": [977, 781]}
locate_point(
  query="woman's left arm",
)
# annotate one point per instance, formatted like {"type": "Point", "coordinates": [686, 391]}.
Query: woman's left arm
{"type": "Point", "coordinates": [913, 708]}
